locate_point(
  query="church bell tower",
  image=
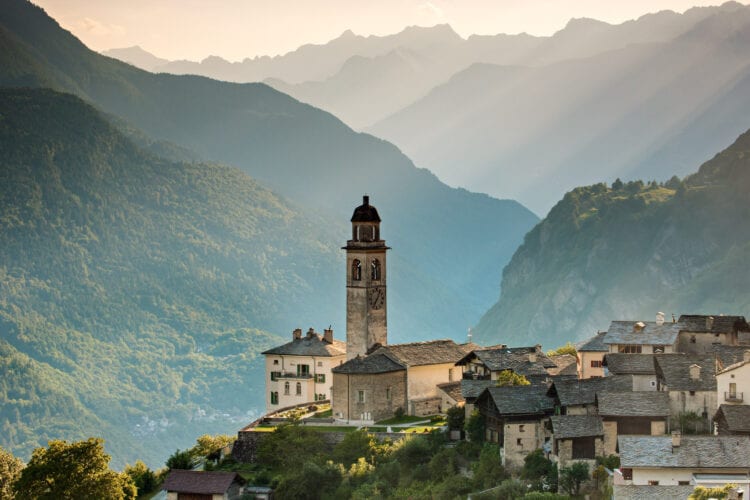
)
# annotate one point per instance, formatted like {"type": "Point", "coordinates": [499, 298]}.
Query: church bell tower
{"type": "Point", "coordinates": [366, 304]}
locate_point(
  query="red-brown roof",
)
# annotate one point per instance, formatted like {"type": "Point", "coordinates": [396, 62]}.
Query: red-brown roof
{"type": "Point", "coordinates": [198, 482]}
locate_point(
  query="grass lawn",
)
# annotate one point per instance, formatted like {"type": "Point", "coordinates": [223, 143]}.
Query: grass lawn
{"type": "Point", "coordinates": [406, 419]}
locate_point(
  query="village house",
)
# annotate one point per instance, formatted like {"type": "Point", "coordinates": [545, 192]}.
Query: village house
{"type": "Point", "coordinates": [470, 391]}
{"type": "Point", "coordinates": [515, 419]}
{"type": "Point", "coordinates": [698, 332]}
{"type": "Point", "coordinates": [733, 382]}
{"type": "Point", "coordinates": [590, 356]}
{"type": "Point", "coordinates": [732, 420]}
{"type": "Point", "coordinates": [629, 413]}
{"type": "Point", "coordinates": [487, 363]}
{"type": "Point", "coordinates": [300, 371]}
{"type": "Point", "coordinates": [202, 485]}
{"type": "Point", "coordinates": [639, 366]}
{"type": "Point", "coordinates": [577, 438]}
{"type": "Point", "coordinates": [450, 394]}
{"type": "Point", "coordinates": [642, 337]}
{"type": "Point", "coordinates": [709, 461]}
{"type": "Point", "coordinates": [578, 397]}
{"type": "Point", "coordinates": [690, 381]}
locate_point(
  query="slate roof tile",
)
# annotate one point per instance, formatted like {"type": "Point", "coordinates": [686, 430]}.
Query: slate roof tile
{"type": "Point", "coordinates": [521, 399]}
{"type": "Point", "coordinates": [471, 389]}
{"type": "Point", "coordinates": [595, 344]}
{"type": "Point", "coordinates": [574, 426]}
{"type": "Point", "coordinates": [674, 371]}
{"type": "Point", "coordinates": [633, 404]}
{"type": "Point", "coordinates": [629, 364]}
{"type": "Point", "coordinates": [310, 345]}
{"type": "Point", "coordinates": [736, 416]}
{"type": "Point", "coordinates": [200, 482]}
{"type": "Point", "coordinates": [693, 452]}
{"type": "Point", "coordinates": [432, 352]}
{"type": "Point", "coordinates": [379, 362]}
{"type": "Point", "coordinates": [623, 332]}
{"type": "Point", "coordinates": [583, 392]}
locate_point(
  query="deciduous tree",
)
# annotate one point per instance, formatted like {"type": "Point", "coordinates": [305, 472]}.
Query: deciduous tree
{"type": "Point", "coordinates": [10, 470]}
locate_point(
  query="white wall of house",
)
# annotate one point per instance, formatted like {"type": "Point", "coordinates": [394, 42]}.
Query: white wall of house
{"type": "Point", "coordinates": [740, 377]}
{"type": "Point", "coordinates": [422, 381]}
{"type": "Point", "coordinates": [590, 364]}
{"type": "Point", "coordinates": [673, 476]}
{"type": "Point", "coordinates": [311, 388]}
{"type": "Point", "coordinates": [645, 348]}
{"type": "Point", "coordinates": [644, 383]}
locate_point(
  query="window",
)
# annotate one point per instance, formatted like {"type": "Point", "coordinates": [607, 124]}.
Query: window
{"type": "Point", "coordinates": [299, 389]}
{"type": "Point", "coordinates": [521, 428]}
{"type": "Point", "coordinates": [658, 349]}
{"type": "Point", "coordinates": [683, 483]}
{"type": "Point", "coordinates": [388, 393]}
{"type": "Point", "coordinates": [732, 389]}
{"type": "Point", "coordinates": [692, 339]}
{"type": "Point", "coordinates": [653, 483]}
{"type": "Point", "coordinates": [360, 396]}
{"type": "Point", "coordinates": [375, 270]}
{"type": "Point", "coordinates": [630, 348]}
{"type": "Point", "coordinates": [596, 363]}
{"type": "Point", "coordinates": [450, 374]}
{"type": "Point", "coordinates": [320, 363]}
{"type": "Point", "coordinates": [275, 375]}
{"type": "Point", "coordinates": [274, 398]}
{"type": "Point", "coordinates": [356, 270]}
{"type": "Point", "coordinates": [320, 378]}
{"type": "Point", "coordinates": [303, 370]}
{"type": "Point", "coordinates": [692, 393]}
{"type": "Point", "coordinates": [519, 443]}
{"type": "Point", "coordinates": [627, 474]}
{"type": "Point", "coordinates": [276, 361]}
{"type": "Point", "coordinates": [286, 388]}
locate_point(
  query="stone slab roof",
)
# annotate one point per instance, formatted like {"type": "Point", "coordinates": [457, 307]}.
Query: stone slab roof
{"type": "Point", "coordinates": [565, 365]}
{"type": "Point", "coordinates": [624, 332]}
{"type": "Point", "coordinates": [378, 362]}
{"type": "Point", "coordinates": [311, 344]}
{"type": "Point", "coordinates": [433, 352]}
{"type": "Point", "coordinates": [727, 355]}
{"type": "Point", "coordinates": [662, 492]}
{"type": "Point", "coordinates": [583, 392]}
{"type": "Point", "coordinates": [511, 358]}
{"type": "Point", "coordinates": [471, 389]}
{"type": "Point", "coordinates": [633, 404]}
{"type": "Point", "coordinates": [200, 482]}
{"type": "Point", "coordinates": [674, 371]}
{"type": "Point", "coordinates": [629, 364]}
{"type": "Point", "coordinates": [574, 426]}
{"type": "Point", "coordinates": [693, 451]}
{"type": "Point", "coordinates": [720, 324]}
{"type": "Point", "coordinates": [453, 390]}
{"type": "Point", "coordinates": [736, 416]}
{"type": "Point", "coordinates": [595, 344]}
{"type": "Point", "coordinates": [520, 399]}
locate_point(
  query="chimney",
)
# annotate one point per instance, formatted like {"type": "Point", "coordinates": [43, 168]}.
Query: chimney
{"type": "Point", "coordinates": [746, 356]}
{"type": "Point", "coordinates": [660, 318]}
{"type": "Point", "coordinates": [695, 372]}
{"type": "Point", "coordinates": [532, 357]}
{"type": "Point", "coordinates": [310, 333]}
{"type": "Point", "coordinates": [676, 439]}
{"type": "Point", "coordinates": [709, 323]}
{"type": "Point", "coordinates": [297, 334]}
{"type": "Point", "coordinates": [365, 200]}
{"type": "Point", "coordinates": [328, 335]}
{"type": "Point", "coordinates": [639, 326]}
{"type": "Point", "coordinates": [674, 319]}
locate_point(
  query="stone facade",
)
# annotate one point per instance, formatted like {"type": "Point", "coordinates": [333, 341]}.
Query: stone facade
{"type": "Point", "coordinates": [368, 396]}
{"type": "Point", "coordinates": [521, 438]}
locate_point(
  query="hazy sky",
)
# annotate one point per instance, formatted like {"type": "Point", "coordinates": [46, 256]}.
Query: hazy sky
{"type": "Point", "coordinates": [235, 29]}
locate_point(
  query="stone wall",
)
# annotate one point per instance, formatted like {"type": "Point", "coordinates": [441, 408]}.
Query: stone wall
{"type": "Point", "coordinates": [426, 406]}
{"type": "Point", "coordinates": [384, 393]}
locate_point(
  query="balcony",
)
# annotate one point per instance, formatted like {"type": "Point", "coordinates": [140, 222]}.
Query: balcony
{"type": "Point", "coordinates": [290, 375]}
{"type": "Point", "coordinates": [733, 397]}
{"type": "Point", "coordinates": [475, 376]}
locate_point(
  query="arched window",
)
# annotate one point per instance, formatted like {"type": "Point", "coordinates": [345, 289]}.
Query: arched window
{"type": "Point", "coordinates": [286, 388]}
{"type": "Point", "coordinates": [375, 270]}
{"type": "Point", "coordinates": [299, 389]}
{"type": "Point", "coordinates": [356, 270]}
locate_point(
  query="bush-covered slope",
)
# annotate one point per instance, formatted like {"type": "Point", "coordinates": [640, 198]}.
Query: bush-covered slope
{"type": "Point", "coordinates": [136, 292]}
{"type": "Point", "coordinates": [442, 248]}
{"type": "Point", "coordinates": [626, 252]}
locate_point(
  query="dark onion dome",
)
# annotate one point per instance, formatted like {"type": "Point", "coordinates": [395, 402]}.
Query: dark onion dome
{"type": "Point", "coordinates": [365, 212]}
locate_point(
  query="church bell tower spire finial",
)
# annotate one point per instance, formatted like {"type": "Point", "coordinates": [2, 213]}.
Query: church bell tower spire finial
{"type": "Point", "coordinates": [366, 304]}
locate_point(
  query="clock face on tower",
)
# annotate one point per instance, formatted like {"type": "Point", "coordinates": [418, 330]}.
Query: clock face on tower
{"type": "Point", "coordinates": [376, 297]}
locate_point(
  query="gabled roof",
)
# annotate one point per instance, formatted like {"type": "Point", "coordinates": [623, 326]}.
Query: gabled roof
{"type": "Point", "coordinates": [624, 332]}
{"type": "Point", "coordinates": [595, 344]}
{"type": "Point", "coordinates": [378, 362]}
{"type": "Point", "coordinates": [662, 492]}
{"type": "Point", "coordinates": [433, 352]}
{"type": "Point", "coordinates": [693, 451]}
{"type": "Point", "coordinates": [574, 426]}
{"type": "Point", "coordinates": [452, 390]}
{"type": "Point", "coordinates": [629, 364]}
{"type": "Point", "coordinates": [674, 371]}
{"type": "Point", "coordinates": [737, 417]}
{"type": "Point", "coordinates": [511, 358]}
{"type": "Point", "coordinates": [566, 365]}
{"type": "Point", "coordinates": [699, 323]}
{"type": "Point", "coordinates": [728, 354]}
{"type": "Point", "coordinates": [633, 404]}
{"type": "Point", "coordinates": [520, 399]}
{"type": "Point", "coordinates": [583, 392]}
{"type": "Point", "coordinates": [199, 482]}
{"type": "Point", "coordinates": [734, 366]}
{"type": "Point", "coordinates": [311, 344]}
{"type": "Point", "coordinates": [471, 389]}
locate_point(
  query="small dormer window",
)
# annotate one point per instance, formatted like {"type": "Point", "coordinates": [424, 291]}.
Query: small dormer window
{"type": "Point", "coordinates": [375, 270]}
{"type": "Point", "coordinates": [356, 270]}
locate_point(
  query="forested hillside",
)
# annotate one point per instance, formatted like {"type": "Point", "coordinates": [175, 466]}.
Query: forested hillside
{"type": "Point", "coordinates": [136, 292]}
{"type": "Point", "coordinates": [439, 234]}
{"type": "Point", "coordinates": [627, 251]}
